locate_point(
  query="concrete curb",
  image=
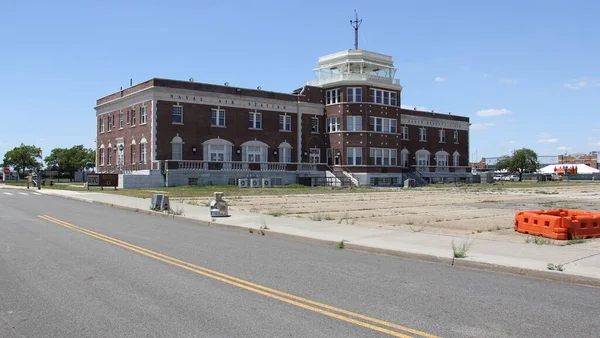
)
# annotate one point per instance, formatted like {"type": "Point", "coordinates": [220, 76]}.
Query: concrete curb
{"type": "Point", "coordinates": [461, 263]}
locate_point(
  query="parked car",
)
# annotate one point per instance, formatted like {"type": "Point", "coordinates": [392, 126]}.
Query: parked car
{"type": "Point", "coordinates": [498, 178]}
{"type": "Point", "coordinates": [511, 178]}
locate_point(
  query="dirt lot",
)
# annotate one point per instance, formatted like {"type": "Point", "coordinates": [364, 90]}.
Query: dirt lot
{"type": "Point", "coordinates": [475, 210]}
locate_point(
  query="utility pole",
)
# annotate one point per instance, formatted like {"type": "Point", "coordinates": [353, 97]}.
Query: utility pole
{"type": "Point", "coordinates": [355, 24]}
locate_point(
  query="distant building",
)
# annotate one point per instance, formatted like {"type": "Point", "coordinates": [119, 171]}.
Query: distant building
{"type": "Point", "coordinates": [590, 159]}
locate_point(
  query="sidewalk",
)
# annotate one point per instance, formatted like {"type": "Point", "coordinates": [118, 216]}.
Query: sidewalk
{"type": "Point", "coordinates": [580, 265]}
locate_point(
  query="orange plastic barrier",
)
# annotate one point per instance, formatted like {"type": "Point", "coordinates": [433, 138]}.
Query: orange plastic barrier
{"type": "Point", "coordinates": [559, 224]}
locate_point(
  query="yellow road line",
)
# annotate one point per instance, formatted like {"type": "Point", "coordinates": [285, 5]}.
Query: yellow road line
{"type": "Point", "coordinates": [257, 288]}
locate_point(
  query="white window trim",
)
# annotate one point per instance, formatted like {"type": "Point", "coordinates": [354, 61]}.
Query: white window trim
{"type": "Point", "coordinates": [456, 159]}
{"type": "Point", "coordinates": [403, 135]}
{"type": "Point", "coordinates": [175, 106]}
{"type": "Point", "coordinates": [285, 152]}
{"type": "Point", "coordinates": [255, 117]}
{"type": "Point", "coordinates": [145, 115]}
{"type": "Point", "coordinates": [329, 125]}
{"type": "Point", "coordinates": [219, 112]}
{"type": "Point", "coordinates": [312, 120]}
{"type": "Point", "coordinates": [282, 126]}
{"type": "Point", "coordinates": [383, 121]}
{"type": "Point", "coordinates": [330, 98]}
{"type": "Point", "coordinates": [442, 159]}
{"type": "Point", "coordinates": [355, 98]}
{"type": "Point", "coordinates": [101, 151]}
{"type": "Point", "coordinates": [373, 97]}
{"type": "Point", "coordinates": [351, 123]}
{"type": "Point", "coordinates": [422, 134]}
{"type": "Point", "coordinates": [373, 153]}
{"type": "Point", "coordinates": [354, 153]}
{"type": "Point", "coordinates": [442, 135]}
{"type": "Point", "coordinates": [133, 118]}
{"type": "Point", "coordinates": [121, 117]}
{"type": "Point", "coordinates": [143, 151]}
{"type": "Point", "coordinates": [455, 136]}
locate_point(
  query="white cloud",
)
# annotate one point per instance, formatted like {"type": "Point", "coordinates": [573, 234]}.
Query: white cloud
{"type": "Point", "coordinates": [481, 126]}
{"type": "Point", "coordinates": [582, 83]}
{"type": "Point", "coordinates": [595, 130]}
{"type": "Point", "coordinates": [563, 148]}
{"type": "Point", "coordinates": [512, 142]}
{"type": "Point", "coordinates": [509, 81]}
{"type": "Point", "coordinates": [595, 144]}
{"type": "Point", "coordinates": [543, 135]}
{"type": "Point", "coordinates": [548, 140]}
{"type": "Point", "coordinates": [493, 112]}
{"type": "Point", "coordinates": [591, 138]}
{"type": "Point", "coordinates": [439, 79]}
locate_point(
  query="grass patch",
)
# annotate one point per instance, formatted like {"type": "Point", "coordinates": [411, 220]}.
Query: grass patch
{"type": "Point", "coordinates": [557, 267]}
{"type": "Point", "coordinates": [539, 240]}
{"type": "Point", "coordinates": [544, 192]}
{"type": "Point", "coordinates": [340, 244]}
{"type": "Point", "coordinates": [460, 250]}
{"type": "Point", "coordinates": [276, 213]}
{"type": "Point", "coordinates": [574, 239]}
{"type": "Point", "coordinates": [321, 217]}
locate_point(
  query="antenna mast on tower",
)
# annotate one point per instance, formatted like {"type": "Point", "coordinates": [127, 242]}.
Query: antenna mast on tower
{"type": "Point", "coordinates": [355, 24]}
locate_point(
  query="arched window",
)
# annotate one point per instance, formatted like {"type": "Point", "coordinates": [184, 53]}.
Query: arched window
{"type": "Point", "coordinates": [405, 155]}
{"type": "Point", "coordinates": [143, 150]}
{"type": "Point", "coordinates": [177, 148]}
{"type": "Point", "coordinates": [285, 152]}
{"type": "Point", "coordinates": [109, 152]}
{"type": "Point", "coordinates": [442, 159]}
{"type": "Point", "coordinates": [422, 157]}
{"type": "Point", "coordinates": [254, 151]}
{"type": "Point", "coordinates": [133, 152]}
{"type": "Point", "coordinates": [455, 158]}
{"type": "Point", "coordinates": [101, 155]}
{"type": "Point", "coordinates": [217, 150]}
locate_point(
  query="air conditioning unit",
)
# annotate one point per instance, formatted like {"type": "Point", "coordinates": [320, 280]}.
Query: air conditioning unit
{"type": "Point", "coordinates": [266, 182]}
{"type": "Point", "coordinates": [255, 183]}
{"type": "Point", "coordinates": [243, 183]}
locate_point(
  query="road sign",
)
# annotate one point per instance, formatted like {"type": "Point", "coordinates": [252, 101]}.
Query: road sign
{"type": "Point", "coordinates": [6, 170]}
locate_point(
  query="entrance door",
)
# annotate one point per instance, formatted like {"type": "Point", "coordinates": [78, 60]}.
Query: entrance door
{"type": "Point", "coordinates": [315, 155]}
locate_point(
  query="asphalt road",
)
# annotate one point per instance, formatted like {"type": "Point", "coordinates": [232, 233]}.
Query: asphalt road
{"type": "Point", "coordinates": [138, 275]}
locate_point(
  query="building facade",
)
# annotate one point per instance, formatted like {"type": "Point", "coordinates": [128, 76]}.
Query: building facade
{"type": "Point", "coordinates": [590, 159]}
{"type": "Point", "coordinates": [346, 124]}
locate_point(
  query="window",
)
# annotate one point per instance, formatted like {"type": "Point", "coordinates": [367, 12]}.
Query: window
{"type": "Point", "coordinates": [442, 135]}
{"type": "Point", "coordinates": [405, 154]}
{"type": "Point", "coordinates": [354, 94]}
{"type": "Point", "coordinates": [384, 125]}
{"type": "Point", "coordinates": [255, 151]}
{"type": "Point", "coordinates": [217, 153]}
{"type": "Point", "coordinates": [121, 120]}
{"type": "Point", "coordinates": [128, 116]}
{"type": "Point", "coordinates": [217, 117]}
{"type": "Point", "coordinates": [455, 158]}
{"type": "Point", "coordinates": [333, 124]}
{"type": "Point", "coordinates": [101, 124]}
{"type": "Point", "coordinates": [113, 121]}
{"type": "Point", "coordinates": [455, 136]}
{"type": "Point", "coordinates": [332, 96]}
{"type": "Point", "coordinates": [422, 134]}
{"type": "Point", "coordinates": [101, 152]}
{"type": "Point", "coordinates": [354, 123]}
{"type": "Point", "coordinates": [383, 156]}
{"type": "Point", "coordinates": [285, 123]}
{"type": "Point", "coordinates": [423, 158]}
{"type": "Point", "coordinates": [383, 97]}
{"type": "Point", "coordinates": [133, 118]}
{"type": "Point", "coordinates": [143, 152]}
{"type": "Point", "coordinates": [109, 154]}
{"type": "Point", "coordinates": [110, 121]}
{"type": "Point", "coordinates": [142, 115]}
{"type": "Point", "coordinates": [314, 124]}
{"type": "Point", "coordinates": [254, 154]}
{"type": "Point", "coordinates": [255, 121]}
{"type": "Point", "coordinates": [315, 155]}
{"type": "Point", "coordinates": [354, 156]}
{"type": "Point", "coordinates": [441, 159]}
{"type": "Point", "coordinates": [177, 115]}
{"type": "Point", "coordinates": [285, 152]}
{"type": "Point", "coordinates": [120, 154]}
{"type": "Point", "coordinates": [132, 152]}
{"type": "Point", "coordinates": [404, 132]}
{"type": "Point", "coordinates": [177, 148]}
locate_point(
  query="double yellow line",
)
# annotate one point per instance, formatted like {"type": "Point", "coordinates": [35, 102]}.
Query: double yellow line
{"type": "Point", "coordinates": [324, 309]}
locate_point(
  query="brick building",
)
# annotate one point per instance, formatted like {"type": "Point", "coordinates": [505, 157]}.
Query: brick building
{"type": "Point", "coordinates": [590, 159]}
{"type": "Point", "coordinates": [347, 125]}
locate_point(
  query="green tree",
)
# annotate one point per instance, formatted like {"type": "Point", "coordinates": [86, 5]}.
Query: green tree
{"type": "Point", "coordinates": [23, 157]}
{"type": "Point", "coordinates": [522, 161]}
{"type": "Point", "coordinates": [71, 159]}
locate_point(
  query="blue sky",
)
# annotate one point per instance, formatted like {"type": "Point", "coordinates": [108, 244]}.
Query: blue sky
{"type": "Point", "coordinates": [527, 73]}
